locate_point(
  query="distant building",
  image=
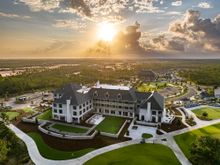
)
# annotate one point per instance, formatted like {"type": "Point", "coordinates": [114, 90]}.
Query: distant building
{"type": "Point", "coordinates": [217, 93]}
{"type": "Point", "coordinates": [73, 103]}
{"type": "Point", "coordinates": [147, 75]}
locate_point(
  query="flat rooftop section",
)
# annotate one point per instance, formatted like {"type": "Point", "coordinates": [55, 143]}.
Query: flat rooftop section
{"type": "Point", "coordinates": [116, 87]}
{"type": "Point", "coordinates": [83, 90]}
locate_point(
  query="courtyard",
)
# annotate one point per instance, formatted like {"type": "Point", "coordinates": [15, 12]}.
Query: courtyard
{"type": "Point", "coordinates": [111, 124]}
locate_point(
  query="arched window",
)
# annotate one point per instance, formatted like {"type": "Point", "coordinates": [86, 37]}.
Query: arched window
{"type": "Point", "coordinates": [107, 95]}
{"type": "Point", "coordinates": [95, 94]}
{"type": "Point", "coordinates": [119, 96]}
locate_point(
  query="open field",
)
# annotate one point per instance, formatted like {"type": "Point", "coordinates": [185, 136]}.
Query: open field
{"type": "Point", "coordinates": [213, 113]}
{"type": "Point", "coordinates": [51, 153]}
{"type": "Point", "coordinates": [47, 115]}
{"type": "Point", "coordinates": [140, 154]}
{"type": "Point", "coordinates": [110, 124]}
{"type": "Point", "coordinates": [12, 115]}
{"type": "Point", "coordinates": [185, 140]}
{"type": "Point", "coordinates": [67, 128]}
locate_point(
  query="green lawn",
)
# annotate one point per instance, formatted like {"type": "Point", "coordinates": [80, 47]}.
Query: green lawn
{"type": "Point", "coordinates": [139, 154]}
{"type": "Point", "coordinates": [146, 135]}
{"type": "Point", "coordinates": [111, 124]}
{"type": "Point", "coordinates": [145, 87]}
{"type": "Point", "coordinates": [11, 115]}
{"type": "Point", "coordinates": [26, 110]}
{"type": "Point", "coordinates": [185, 140]}
{"type": "Point", "coordinates": [51, 153]}
{"type": "Point", "coordinates": [67, 128]}
{"type": "Point", "coordinates": [47, 115]}
{"type": "Point", "coordinates": [213, 113]}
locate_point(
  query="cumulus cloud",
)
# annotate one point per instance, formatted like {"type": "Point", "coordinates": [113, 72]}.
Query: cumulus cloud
{"type": "Point", "coordinates": [198, 31]}
{"type": "Point", "coordinates": [126, 41]}
{"type": "Point", "coordinates": [205, 5]}
{"type": "Point", "coordinates": [176, 3]}
{"type": "Point", "coordinates": [10, 15]}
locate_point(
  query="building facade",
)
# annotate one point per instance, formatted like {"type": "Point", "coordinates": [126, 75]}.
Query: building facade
{"type": "Point", "coordinates": [73, 103]}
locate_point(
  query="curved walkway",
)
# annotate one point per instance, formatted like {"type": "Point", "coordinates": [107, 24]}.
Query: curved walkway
{"type": "Point", "coordinates": [38, 159]}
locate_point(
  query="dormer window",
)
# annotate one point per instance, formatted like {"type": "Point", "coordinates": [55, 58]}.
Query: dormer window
{"type": "Point", "coordinates": [119, 96]}
{"type": "Point", "coordinates": [95, 94]}
{"type": "Point", "coordinates": [107, 95]}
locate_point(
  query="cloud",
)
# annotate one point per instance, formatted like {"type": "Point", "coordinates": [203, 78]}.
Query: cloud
{"type": "Point", "coordinates": [147, 6]}
{"type": "Point", "coordinates": [94, 10]}
{"type": "Point", "coordinates": [70, 24]}
{"type": "Point", "coordinates": [125, 42]}
{"type": "Point", "coordinates": [40, 5]}
{"type": "Point", "coordinates": [176, 3]}
{"type": "Point", "coordinates": [199, 32]}
{"type": "Point", "coordinates": [205, 5]}
{"type": "Point", "coordinates": [9, 15]}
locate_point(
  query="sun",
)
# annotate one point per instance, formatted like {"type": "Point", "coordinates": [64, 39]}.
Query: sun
{"type": "Point", "coordinates": [106, 31]}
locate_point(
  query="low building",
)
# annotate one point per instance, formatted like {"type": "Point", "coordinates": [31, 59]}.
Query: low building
{"type": "Point", "coordinates": [217, 93]}
{"type": "Point", "coordinates": [73, 103]}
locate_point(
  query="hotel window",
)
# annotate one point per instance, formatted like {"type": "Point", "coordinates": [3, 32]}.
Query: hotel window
{"type": "Point", "coordinates": [74, 107]}
{"type": "Point", "coordinates": [153, 112]}
{"type": "Point", "coordinates": [60, 111]}
{"type": "Point", "coordinates": [125, 113]}
{"type": "Point", "coordinates": [80, 106]}
{"type": "Point", "coordinates": [119, 112]}
{"type": "Point", "coordinates": [87, 103]}
{"type": "Point", "coordinates": [74, 113]}
{"type": "Point", "coordinates": [107, 95]}
{"type": "Point", "coordinates": [112, 112]}
{"type": "Point", "coordinates": [84, 110]}
{"type": "Point", "coordinates": [119, 96]}
{"type": "Point", "coordinates": [84, 105]}
{"type": "Point", "coordinates": [55, 110]}
{"type": "Point", "coordinates": [80, 112]}
{"type": "Point", "coordinates": [95, 94]}
{"type": "Point", "coordinates": [106, 111]}
{"type": "Point", "coordinates": [60, 105]}
{"type": "Point", "coordinates": [160, 112]}
{"type": "Point", "coordinates": [54, 104]}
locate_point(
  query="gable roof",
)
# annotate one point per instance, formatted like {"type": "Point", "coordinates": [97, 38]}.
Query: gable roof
{"type": "Point", "coordinates": [69, 92]}
{"type": "Point", "coordinates": [157, 101]}
{"type": "Point", "coordinates": [113, 94]}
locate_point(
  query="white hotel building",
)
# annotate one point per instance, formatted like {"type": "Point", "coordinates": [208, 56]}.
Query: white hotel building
{"type": "Point", "coordinates": [73, 103]}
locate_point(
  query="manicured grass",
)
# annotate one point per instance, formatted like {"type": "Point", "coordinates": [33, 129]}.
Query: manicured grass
{"type": "Point", "coordinates": [140, 154]}
{"type": "Point", "coordinates": [213, 113]}
{"type": "Point", "coordinates": [67, 128]}
{"type": "Point", "coordinates": [26, 110]}
{"type": "Point", "coordinates": [146, 135]}
{"type": "Point", "coordinates": [145, 87]}
{"type": "Point", "coordinates": [51, 153]}
{"type": "Point", "coordinates": [111, 124]}
{"type": "Point", "coordinates": [185, 140]}
{"type": "Point", "coordinates": [47, 115]}
{"type": "Point", "coordinates": [11, 115]}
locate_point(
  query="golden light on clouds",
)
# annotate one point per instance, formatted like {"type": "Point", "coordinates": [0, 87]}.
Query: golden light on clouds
{"type": "Point", "coordinates": [106, 31]}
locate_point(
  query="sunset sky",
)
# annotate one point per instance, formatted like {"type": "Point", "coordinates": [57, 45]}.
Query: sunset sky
{"type": "Point", "coordinates": [74, 28]}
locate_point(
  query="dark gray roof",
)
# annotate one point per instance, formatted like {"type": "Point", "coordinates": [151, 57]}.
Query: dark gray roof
{"type": "Point", "coordinates": [113, 94]}
{"type": "Point", "coordinates": [157, 101]}
{"type": "Point", "coordinates": [69, 92]}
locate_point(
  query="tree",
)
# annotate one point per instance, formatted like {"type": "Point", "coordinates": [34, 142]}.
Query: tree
{"type": "Point", "coordinates": [205, 151]}
{"type": "Point", "coordinates": [4, 117]}
{"type": "Point", "coordinates": [3, 150]}
{"type": "Point", "coordinates": [205, 114]}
